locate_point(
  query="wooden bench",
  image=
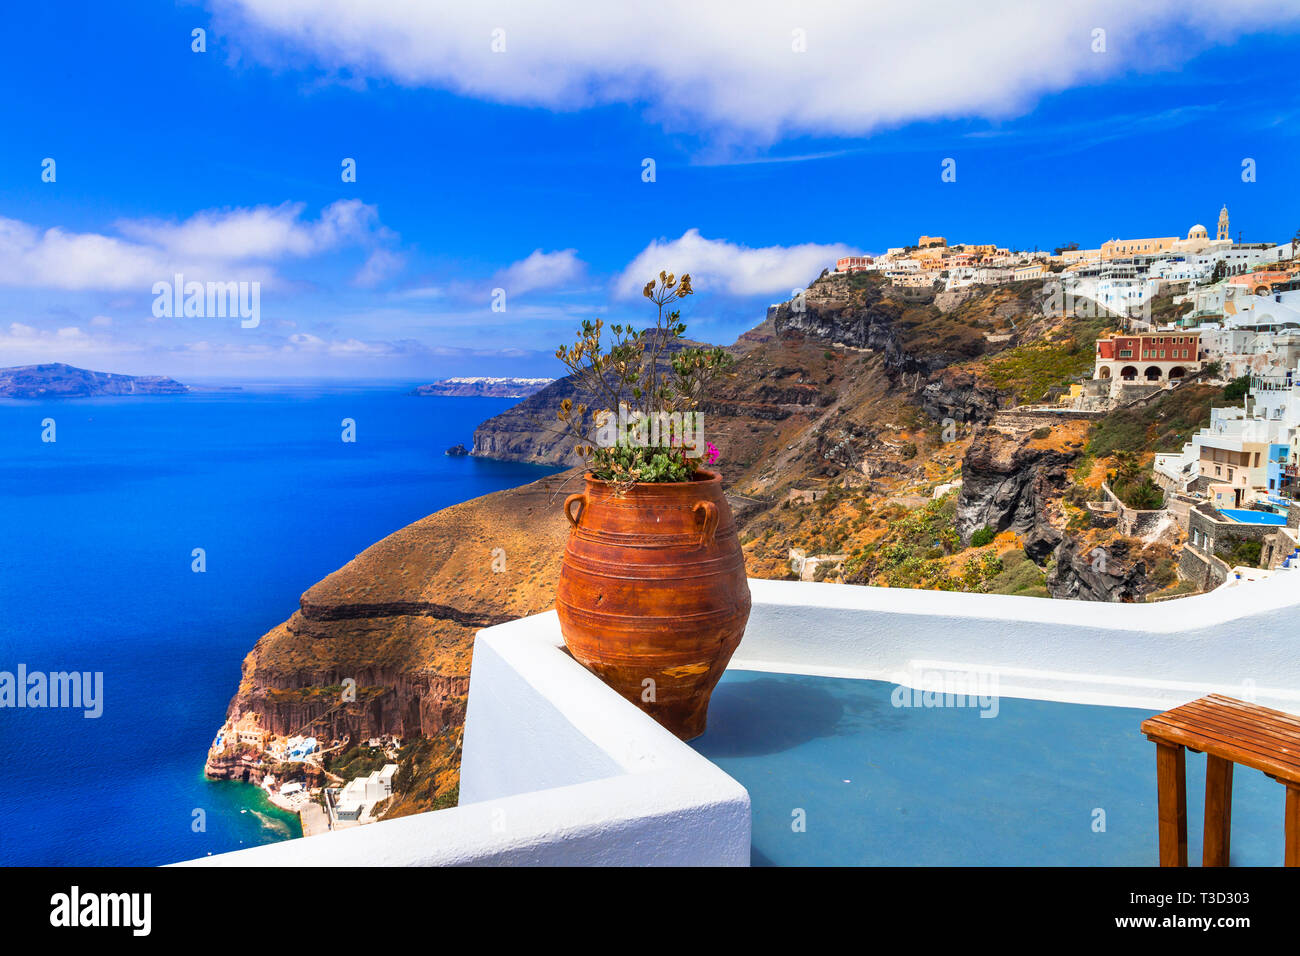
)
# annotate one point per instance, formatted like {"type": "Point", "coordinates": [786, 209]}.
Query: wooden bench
{"type": "Point", "coordinates": [1227, 731]}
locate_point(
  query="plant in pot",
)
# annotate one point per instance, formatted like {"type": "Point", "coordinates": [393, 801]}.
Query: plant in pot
{"type": "Point", "coordinates": [652, 595]}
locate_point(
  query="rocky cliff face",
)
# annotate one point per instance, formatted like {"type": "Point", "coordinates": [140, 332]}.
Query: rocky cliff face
{"type": "Point", "coordinates": [398, 621]}
{"type": "Point", "coordinates": [830, 310]}
{"type": "Point", "coordinates": [779, 373]}
{"type": "Point", "coordinates": [1010, 481]}
{"type": "Point", "coordinates": [959, 396]}
{"type": "Point", "coordinates": [1118, 572]}
{"type": "Point", "coordinates": [529, 431]}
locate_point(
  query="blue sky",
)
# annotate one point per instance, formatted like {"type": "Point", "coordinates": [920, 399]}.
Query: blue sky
{"type": "Point", "coordinates": [521, 169]}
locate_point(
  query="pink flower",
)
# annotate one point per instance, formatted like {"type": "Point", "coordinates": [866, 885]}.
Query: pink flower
{"type": "Point", "coordinates": [710, 453]}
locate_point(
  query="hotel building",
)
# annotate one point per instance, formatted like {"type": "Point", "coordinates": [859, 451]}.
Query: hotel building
{"type": "Point", "coordinates": [1151, 357]}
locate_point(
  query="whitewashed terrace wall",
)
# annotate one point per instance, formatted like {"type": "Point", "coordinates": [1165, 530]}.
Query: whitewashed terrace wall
{"type": "Point", "coordinates": [558, 769]}
{"type": "Point", "coordinates": [1243, 641]}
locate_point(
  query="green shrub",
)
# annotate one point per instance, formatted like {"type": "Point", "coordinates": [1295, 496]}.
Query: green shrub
{"type": "Point", "coordinates": [1241, 551]}
{"type": "Point", "coordinates": [1237, 389]}
{"type": "Point", "coordinates": [1033, 368]}
{"type": "Point", "coordinates": [1164, 573]}
{"type": "Point", "coordinates": [1144, 495]}
{"type": "Point", "coordinates": [1163, 425]}
{"type": "Point", "coordinates": [983, 536]}
{"type": "Point", "coordinates": [1019, 575]}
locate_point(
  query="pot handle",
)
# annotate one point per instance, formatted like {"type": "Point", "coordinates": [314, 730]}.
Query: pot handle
{"type": "Point", "coordinates": [710, 520]}
{"type": "Point", "coordinates": [568, 508]}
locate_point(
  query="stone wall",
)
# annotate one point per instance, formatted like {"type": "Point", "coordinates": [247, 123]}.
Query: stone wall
{"type": "Point", "coordinates": [1102, 514]}
{"type": "Point", "coordinates": [1205, 571]}
{"type": "Point", "coordinates": [1032, 416]}
{"type": "Point", "coordinates": [1180, 506]}
{"type": "Point", "coordinates": [1278, 547]}
{"type": "Point", "coordinates": [1132, 522]}
{"type": "Point", "coordinates": [1208, 534]}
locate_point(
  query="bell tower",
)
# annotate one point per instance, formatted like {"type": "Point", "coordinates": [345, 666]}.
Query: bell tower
{"type": "Point", "coordinates": [1223, 223]}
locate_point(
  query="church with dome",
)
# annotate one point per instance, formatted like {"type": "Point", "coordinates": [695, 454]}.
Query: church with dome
{"type": "Point", "coordinates": [1198, 237]}
{"type": "Point", "coordinates": [1198, 241]}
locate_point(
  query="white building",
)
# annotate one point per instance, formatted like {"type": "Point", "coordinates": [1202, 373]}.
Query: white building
{"type": "Point", "coordinates": [903, 265]}
{"type": "Point", "coordinates": [1235, 449]}
{"type": "Point", "coordinates": [362, 792]}
{"type": "Point", "coordinates": [1276, 309]}
{"type": "Point", "coordinates": [1250, 351]}
{"type": "Point", "coordinates": [987, 276]}
{"type": "Point", "coordinates": [1181, 269]}
{"type": "Point", "coordinates": [959, 277]}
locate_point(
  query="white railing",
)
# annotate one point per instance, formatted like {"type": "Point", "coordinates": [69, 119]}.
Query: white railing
{"type": "Point", "coordinates": [558, 769]}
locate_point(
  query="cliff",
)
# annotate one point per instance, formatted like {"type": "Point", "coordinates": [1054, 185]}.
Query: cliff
{"type": "Point", "coordinates": [529, 431]}
{"type": "Point", "coordinates": [900, 342]}
{"type": "Point", "coordinates": [1121, 569]}
{"type": "Point", "coordinates": [399, 621]}
{"type": "Point", "coordinates": [1011, 479]}
{"type": "Point", "coordinates": [58, 380]}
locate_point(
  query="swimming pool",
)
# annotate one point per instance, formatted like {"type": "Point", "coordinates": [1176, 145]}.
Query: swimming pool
{"type": "Point", "coordinates": [1253, 517]}
{"type": "Point", "coordinates": [837, 775]}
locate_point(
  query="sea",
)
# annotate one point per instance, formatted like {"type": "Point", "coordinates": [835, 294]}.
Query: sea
{"type": "Point", "coordinates": [102, 529]}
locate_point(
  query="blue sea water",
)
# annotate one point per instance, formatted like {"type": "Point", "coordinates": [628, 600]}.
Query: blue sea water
{"type": "Point", "coordinates": [97, 531]}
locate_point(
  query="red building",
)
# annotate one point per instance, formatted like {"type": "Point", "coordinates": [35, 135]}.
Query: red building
{"type": "Point", "coordinates": [1151, 357]}
{"type": "Point", "coordinates": [853, 263]}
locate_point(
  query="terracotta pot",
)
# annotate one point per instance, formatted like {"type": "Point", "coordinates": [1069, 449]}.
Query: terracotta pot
{"type": "Point", "coordinates": [653, 588]}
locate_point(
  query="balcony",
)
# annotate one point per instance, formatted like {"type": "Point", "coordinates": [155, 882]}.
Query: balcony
{"type": "Point", "coordinates": [558, 769]}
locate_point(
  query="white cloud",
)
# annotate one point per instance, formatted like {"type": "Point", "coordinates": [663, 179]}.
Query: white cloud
{"type": "Point", "coordinates": [62, 260]}
{"type": "Point", "coordinates": [232, 244]}
{"type": "Point", "coordinates": [733, 68]}
{"type": "Point", "coordinates": [716, 265]}
{"type": "Point", "coordinates": [541, 270]}
{"type": "Point", "coordinates": [382, 264]}
{"type": "Point", "coordinates": [21, 343]}
{"type": "Point", "coordinates": [262, 232]}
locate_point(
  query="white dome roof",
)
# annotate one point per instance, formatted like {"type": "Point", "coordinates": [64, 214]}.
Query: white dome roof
{"type": "Point", "coordinates": [1197, 232]}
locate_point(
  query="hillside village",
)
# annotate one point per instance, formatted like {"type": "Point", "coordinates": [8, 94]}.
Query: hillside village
{"type": "Point", "coordinates": [1194, 313]}
{"type": "Point", "coordinates": [1117, 424]}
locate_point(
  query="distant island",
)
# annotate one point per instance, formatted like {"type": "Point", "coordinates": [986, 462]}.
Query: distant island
{"type": "Point", "coordinates": [482, 387]}
{"type": "Point", "coordinates": [59, 380]}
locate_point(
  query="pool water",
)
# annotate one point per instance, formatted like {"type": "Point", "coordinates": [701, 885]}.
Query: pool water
{"type": "Point", "coordinates": [837, 775]}
{"type": "Point", "coordinates": [1246, 516]}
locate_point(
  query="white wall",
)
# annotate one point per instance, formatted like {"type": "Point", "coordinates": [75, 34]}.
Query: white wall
{"type": "Point", "coordinates": [1241, 641]}
{"type": "Point", "coordinates": [557, 769]}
